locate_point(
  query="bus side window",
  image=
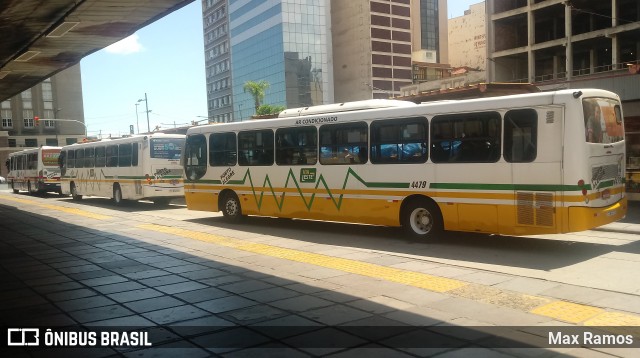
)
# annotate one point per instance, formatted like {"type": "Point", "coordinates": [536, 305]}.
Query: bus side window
{"type": "Point", "coordinates": [466, 138]}
{"type": "Point", "coordinates": [342, 143]}
{"type": "Point", "coordinates": [397, 141]}
{"type": "Point", "coordinates": [257, 147]}
{"type": "Point", "coordinates": [100, 157]}
{"type": "Point", "coordinates": [296, 146]}
{"type": "Point", "coordinates": [520, 136]}
{"type": "Point", "coordinates": [89, 157]}
{"type": "Point", "coordinates": [134, 154]}
{"type": "Point", "coordinates": [222, 149]}
{"type": "Point", "coordinates": [71, 159]}
{"type": "Point", "coordinates": [112, 156]}
{"type": "Point", "coordinates": [80, 158]}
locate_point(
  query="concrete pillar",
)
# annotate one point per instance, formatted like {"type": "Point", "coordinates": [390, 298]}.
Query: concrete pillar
{"type": "Point", "coordinates": [569, 47]}
{"type": "Point", "coordinates": [531, 33]}
{"type": "Point", "coordinates": [490, 33]}
{"type": "Point", "coordinates": [615, 44]}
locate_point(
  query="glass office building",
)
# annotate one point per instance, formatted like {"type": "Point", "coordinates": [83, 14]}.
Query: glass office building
{"type": "Point", "coordinates": [286, 43]}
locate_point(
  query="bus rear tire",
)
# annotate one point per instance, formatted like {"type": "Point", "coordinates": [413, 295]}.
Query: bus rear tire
{"type": "Point", "coordinates": [231, 208]}
{"type": "Point", "coordinates": [422, 219]}
{"type": "Point", "coordinates": [117, 195]}
{"type": "Point", "coordinates": [74, 192]}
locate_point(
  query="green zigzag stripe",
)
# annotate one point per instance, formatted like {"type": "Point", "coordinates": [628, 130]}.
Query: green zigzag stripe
{"type": "Point", "coordinates": [337, 202]}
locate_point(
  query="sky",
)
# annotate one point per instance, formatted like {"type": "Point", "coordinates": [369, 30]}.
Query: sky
{"type": "Point", "coordinates": [165, 60]}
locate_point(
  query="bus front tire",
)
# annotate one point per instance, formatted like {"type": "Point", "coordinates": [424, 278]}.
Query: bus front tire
{"type": "Point", "coordinates": [74, 192]}
{"type": "Point", "coordinates": [421, 219]}
{"type": "Point", "coordinates": [117, 195]}
{"type": "Point", "coordinates": [231, 208]}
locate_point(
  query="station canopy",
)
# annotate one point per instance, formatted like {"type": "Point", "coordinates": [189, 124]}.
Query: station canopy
{"type": "Point", "coordinates": [39, 38]}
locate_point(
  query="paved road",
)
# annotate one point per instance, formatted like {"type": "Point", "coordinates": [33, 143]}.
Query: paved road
{"type": "Point", "coordinates": [89, 264]}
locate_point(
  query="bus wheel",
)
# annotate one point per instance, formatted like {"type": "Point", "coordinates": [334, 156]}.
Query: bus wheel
{"type": "Point", "coordinates": [422, 219]}
{"type": "Point", "coordinates": [117, 195]}
{"type": "Point", "coordinates": [231, 208]}
{"type": "Point", "coordinates": [74, 192]}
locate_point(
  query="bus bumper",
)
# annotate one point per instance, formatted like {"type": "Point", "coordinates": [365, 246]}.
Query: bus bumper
{"type": "Point", "coordinates": [48, 186]}
{"type": "Point", "coordinates": [584, 218]}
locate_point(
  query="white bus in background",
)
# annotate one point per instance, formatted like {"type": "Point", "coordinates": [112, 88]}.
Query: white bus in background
{"type": "Point", "coordinates": [131, 168]}
{"type": "Point", "coordinates": [539, 163]}
{"type": "Point", "coordinates": [34, 170]}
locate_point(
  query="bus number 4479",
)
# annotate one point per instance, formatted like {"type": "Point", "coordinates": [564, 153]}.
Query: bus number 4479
{"type": "Point", "coordinates": [420, 184]}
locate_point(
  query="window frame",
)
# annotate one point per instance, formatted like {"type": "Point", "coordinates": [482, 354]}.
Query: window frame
{"type": "Point", "coordinates": [465, 147]}
{"type": "Point", "coordinates": [264, 153]}
{"type": "Point", "coordinates": [376, 141]}
{"type": "Point", "coordinates": [286, 152]}
{"type": "Point", "coordinates": [508, 135]}
{"type": "Point", "coordinates": [226, 151]}
{"type": "Point", "coordinates": [343, 152]}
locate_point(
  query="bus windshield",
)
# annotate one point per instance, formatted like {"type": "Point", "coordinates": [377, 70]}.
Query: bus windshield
{"type": "Point", "coordinates": [166, 148]}
{"type": "Point", "coordinates": [602, 120]}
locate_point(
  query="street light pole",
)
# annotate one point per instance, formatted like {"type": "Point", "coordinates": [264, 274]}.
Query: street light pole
{"type": "Point", "coordinates": [137, 121]}
{"type": "Point", "coordinates": [146, 103]}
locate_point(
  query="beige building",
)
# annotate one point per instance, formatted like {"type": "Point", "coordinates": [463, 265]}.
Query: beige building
{"type": "Point", "coordinates": [371, 48]}
{"type": "Point", "coordinates": [376, 43]}
{"type": "Point", "coordinates": [57, 102]}
{"type": "Point", "coordinates": [468, 39]}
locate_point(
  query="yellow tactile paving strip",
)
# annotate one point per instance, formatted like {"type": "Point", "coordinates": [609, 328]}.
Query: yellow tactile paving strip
{"type": "Point", "coordinates": [570, 312]}
{"type": "Point", "coordinates": [575, 313]}
{"type": "Point", "coordinates": [567, 311]}
{"type": "Point", "coordinates": [73, 211]}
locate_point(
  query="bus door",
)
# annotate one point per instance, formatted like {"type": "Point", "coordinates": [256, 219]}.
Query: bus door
{"type": "Point", "coordinates": [533, 149]}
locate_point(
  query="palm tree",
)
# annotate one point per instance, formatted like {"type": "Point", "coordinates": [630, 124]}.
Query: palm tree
{"type": "Point", "coordinates": [256, 90]}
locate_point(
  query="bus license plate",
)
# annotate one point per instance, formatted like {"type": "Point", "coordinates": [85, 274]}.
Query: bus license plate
{"type": "Point", "coordinates": [612, 212]}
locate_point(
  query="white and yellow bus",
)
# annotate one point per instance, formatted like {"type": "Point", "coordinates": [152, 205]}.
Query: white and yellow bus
{"type": "Point", "coordinates": [34, 170]}
{"type": "Point", "coordinates": [131, 168]}
{"type": "Point", "coordinates": [550, 162]}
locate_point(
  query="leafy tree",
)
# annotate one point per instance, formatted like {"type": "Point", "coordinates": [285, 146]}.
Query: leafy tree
{"type": "Point", "coordinates": [269, 109]}
{"type": "Point", "coordinates": [256, 90]}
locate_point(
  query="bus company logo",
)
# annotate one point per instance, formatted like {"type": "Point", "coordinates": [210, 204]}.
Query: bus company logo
{"type": "Point", "coordinates": [23, 336]}
{"type": "Point", "coordinates": [308, 175]}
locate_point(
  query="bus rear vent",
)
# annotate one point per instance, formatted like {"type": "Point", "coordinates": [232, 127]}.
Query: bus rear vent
{"type": "Point", "coordinates": [535, 208]}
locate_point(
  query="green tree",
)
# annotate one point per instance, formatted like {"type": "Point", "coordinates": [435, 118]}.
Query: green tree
{"type": "Point", "coordinates": [256, 90]}
{"type": "Point", "coordinates": [269, 109]}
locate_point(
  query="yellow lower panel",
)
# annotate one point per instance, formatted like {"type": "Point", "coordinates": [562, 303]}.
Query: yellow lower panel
{"type": "Point", "coordinates": [478, 217]}
{"type": "Point", "coordinates": [201, 201]}
{"type": "Point", "coordinates": [365, 211]}
{"type": "Point", "coordinates": [499, 219]}
{"type": "Point", "coordinates": [583, 218]}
